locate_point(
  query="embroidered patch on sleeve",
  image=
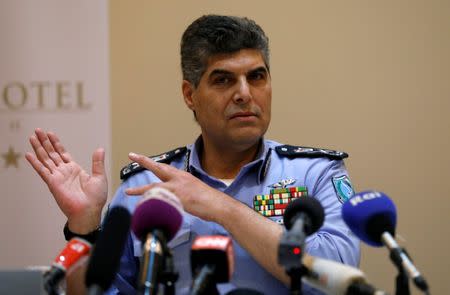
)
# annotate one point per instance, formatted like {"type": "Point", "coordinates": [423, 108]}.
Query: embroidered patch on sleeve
{"type": "Point", "coordinates": [343, 188]}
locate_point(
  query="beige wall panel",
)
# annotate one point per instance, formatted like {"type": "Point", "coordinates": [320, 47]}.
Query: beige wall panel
{"type": "Point", "coordinates": [368, 77]}
{"type": "Point", "coordinates": [54, 74]}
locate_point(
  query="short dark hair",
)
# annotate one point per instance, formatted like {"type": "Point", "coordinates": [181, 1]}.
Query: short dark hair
{"type": "Point", "coordinates": [214, 34]}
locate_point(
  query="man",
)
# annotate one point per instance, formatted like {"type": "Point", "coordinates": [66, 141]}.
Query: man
{"type": "Point", "coordinates": [227, 85]}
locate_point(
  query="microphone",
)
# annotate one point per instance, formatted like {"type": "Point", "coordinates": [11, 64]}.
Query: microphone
{"type": "Point", "coordinates": [335, 278]}
{"type": "Point", "coordinates": [155, 222]}
{"type": "Point", "coordinates": [302, 217]}
{"type": "Point", "coordinates": [305, 215]}
{"type": "Point", "coordinates": [75, 251]}
{"type": "Point", "coordinates": [105, 258]}
{"type": "Point", "coordinates": [372, 217]}
{"type": "Point", "coordinates": [212, 262]}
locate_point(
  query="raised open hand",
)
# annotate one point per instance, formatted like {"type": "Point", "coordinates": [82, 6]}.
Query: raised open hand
{"type": "Point", "coordinates": [80, 196]}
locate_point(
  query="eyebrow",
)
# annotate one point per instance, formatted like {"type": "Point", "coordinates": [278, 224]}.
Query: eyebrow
{"type": "Point", "coordinates": [259, 69]}
{"type": "Point", "coordinates": [220, 72]}
{"type": "Point", "coordinates": [225, 72]}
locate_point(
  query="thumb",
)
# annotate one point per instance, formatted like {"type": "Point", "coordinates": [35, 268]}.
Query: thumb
{"type": "Point", "coordinates": [98, 162]}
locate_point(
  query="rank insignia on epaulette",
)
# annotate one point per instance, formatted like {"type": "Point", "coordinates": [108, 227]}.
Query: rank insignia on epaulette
{"type": "Point", "coordinates": [343, 188]}
{"type": "Point", "coordinates": [129, 169]}
{"type": "Point", "coordinates": [309, 152]}
{"type": "Point", "coordinates": [165, 157]}
{"type": "Point", "coordinates": [275, 203]}
{"type": "Point", "coordinates": [134, 167]}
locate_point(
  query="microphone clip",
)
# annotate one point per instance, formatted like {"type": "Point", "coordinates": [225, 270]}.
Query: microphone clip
{"type": "Point", "coordinates": [292, 244]}
{"type": "Point", "coordinates": [290, 251]}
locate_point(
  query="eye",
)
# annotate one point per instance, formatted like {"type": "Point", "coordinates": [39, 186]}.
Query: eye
{"type": "Point", "coordinates": [256, 76]}
{"type": "Point", "coordinates": [222, 80]}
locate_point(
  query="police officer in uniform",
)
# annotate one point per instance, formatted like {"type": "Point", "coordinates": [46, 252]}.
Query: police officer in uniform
{"type": "Point", "coordinates": [231, 181]}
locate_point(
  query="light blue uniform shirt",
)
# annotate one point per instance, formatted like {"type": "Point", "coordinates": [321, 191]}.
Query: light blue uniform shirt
{"type": "Point", "coordinates": [333, 241]}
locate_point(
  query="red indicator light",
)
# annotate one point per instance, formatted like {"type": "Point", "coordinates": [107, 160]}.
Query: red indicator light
{"type": "Point", "coordinates": [296, 250]}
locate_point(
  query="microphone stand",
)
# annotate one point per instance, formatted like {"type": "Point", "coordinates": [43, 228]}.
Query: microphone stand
{"type": "Point", "coordinates": [403, 262]}
{"type": "Point", "coordinates": [152, 262]}
{"type": "Point", "coordinates": [169, 275]}
{"type": "Point", "coordinates": [401, 281]}
{"type": "Point", "coordinates": [157, 266]}
{"type": "Point", "coordinates": [290, 252]}
{"type": "Point", "coordinates": [296, 275]}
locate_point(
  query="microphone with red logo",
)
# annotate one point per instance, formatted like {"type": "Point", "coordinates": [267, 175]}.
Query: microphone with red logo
{"type": "Point", "coordinates": [155, 222]}
{"type": "Point", "coordinates": [212, 262]}
{"type": "Point", "coordinates": [75, 252]}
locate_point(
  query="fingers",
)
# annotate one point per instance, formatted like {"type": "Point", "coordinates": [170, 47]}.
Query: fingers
{"type": "Point", "coordinates": [135, 191]}
{"type": "Point", "coordinates": [162, 171]}
{"type": "Point", "coordinates": [98, 162]}
{"type": "Point", "coordinates": [41, 153]}
{"type": "Point", "coordinates": [140, 190]}
{"type": "Point", "coordinates": [43, 172]}
{"type": "Point", "coordinates": [59, 147]}
{"type": "Point", "coordinates": [48, 146]}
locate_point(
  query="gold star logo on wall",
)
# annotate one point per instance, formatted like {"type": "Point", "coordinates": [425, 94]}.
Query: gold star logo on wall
{"type": "Point", "coordinates": [11, 158]}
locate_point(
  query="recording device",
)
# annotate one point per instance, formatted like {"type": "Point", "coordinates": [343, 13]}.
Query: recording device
{"type": "Point", "coordinates": [336, 278]}
{"type": "Point", "coordinates": [302, 217]}
{"type": "Point", "coordinates": [155, 222]}
{"type": "Point", "coordinates": [105, 258]}
{"type": "Point", "coordinates": [372, 217]}
{"type": "Point", "coordinates": [212, 262]}
{"type": "Point", "coordinates": [75, 251]}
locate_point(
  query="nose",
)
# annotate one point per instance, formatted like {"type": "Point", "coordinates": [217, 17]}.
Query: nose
{"type": "Point", "coordinates": [243, 92]}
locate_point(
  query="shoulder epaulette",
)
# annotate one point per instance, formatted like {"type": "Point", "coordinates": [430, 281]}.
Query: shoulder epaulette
{"type": "Point", "coordinates": [292, 151]}
{"type": "Point", "coordinates": [167, 157]}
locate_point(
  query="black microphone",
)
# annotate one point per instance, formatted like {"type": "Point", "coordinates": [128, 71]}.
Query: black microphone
{"type": "Point", "coordinates": [305, 215]}
{"type": "Point", "coordinates": [212, 262]}
{"type": "Point", "coordinates": [372, 217]}
{"type": "Point", "coordinates": [107, 251]}
{"type": "Point", "coordinates": [155, 222]}
{"type": "Point", "coordinates": [302, 217]}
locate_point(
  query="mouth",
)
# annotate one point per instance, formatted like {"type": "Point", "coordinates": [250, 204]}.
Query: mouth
{"type": "Point", "coordinates": [243, 115]}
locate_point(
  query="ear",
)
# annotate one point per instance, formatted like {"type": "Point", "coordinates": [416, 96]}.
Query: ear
{"type": "Point", "coordinates": [188, 92]}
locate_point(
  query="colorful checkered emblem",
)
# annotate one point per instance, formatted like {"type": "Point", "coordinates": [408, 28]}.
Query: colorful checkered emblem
{"type": "Point", "coordinates": [274, 203]}
{"type": "Point", "coordinates": [343, 188]}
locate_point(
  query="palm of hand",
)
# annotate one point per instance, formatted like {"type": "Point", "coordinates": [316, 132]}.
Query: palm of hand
{"type": "Point", "coordinates": [76, 191]}
{"type": "Point", "coordinates": [79, 195]}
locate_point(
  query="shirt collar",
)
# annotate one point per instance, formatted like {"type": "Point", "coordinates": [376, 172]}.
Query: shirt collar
{"type": "Point", "coordinates": [261, 162]}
